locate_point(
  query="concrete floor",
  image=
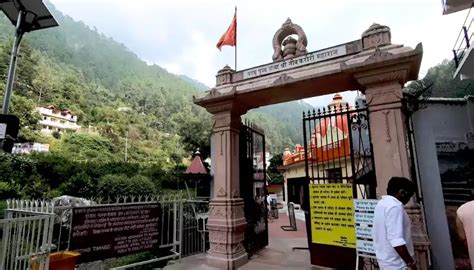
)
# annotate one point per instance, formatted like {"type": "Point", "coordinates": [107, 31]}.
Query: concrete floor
{"type": "Point", "coordinates": [279, 254]}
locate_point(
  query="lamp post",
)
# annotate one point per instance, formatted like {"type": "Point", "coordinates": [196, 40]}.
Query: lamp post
{"type": "Point", "coordinates": [27, 16]}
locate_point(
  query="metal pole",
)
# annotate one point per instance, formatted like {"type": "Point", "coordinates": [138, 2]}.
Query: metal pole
{"type": "Point", "coordinates": [13, 59]}
{"type": "Point", "coordinates": [466, 37]}
{"type": "Point", "coordinates": [235, 38]}
{"type": "Point", "coordinates": [126, 147]}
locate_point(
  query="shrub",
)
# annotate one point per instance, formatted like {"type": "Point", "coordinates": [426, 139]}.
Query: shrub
{"type": "Point", "coordinates": [79, 185]}
{"type": "Point", "coordinates": [3, 206]}
{"type": "Point", "coordinates": [114, 185]}
{"type": "Point", "coordinates": [7, 191]}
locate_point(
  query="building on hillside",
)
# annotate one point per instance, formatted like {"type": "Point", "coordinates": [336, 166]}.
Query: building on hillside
{"type": "Point", "coordinates": [462, 51]}
{"type": "Point", "coordinates": [28, 148]}
{"type": "Point", "coordinates": [330, 156]}
{"type": "Point", "coordinates": [53, 120]}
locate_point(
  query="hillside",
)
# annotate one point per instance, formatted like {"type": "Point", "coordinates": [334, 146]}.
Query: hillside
{"type": "Point", "coordinates": [75, 67]}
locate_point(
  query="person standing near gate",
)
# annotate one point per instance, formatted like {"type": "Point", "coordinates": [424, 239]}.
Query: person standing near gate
{"type": "Point", "coordinates": [465, 227]}
{"type": "Point", "coordinates": [392, 227]}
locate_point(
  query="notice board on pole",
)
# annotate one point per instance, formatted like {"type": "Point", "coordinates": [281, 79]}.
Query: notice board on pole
{"type": "Point", "coordinates": [364, 224]}
{"type": "Point", "coordinates": [332, 215]}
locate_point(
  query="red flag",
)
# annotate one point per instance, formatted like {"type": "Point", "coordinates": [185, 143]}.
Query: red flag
{"type": "Point", "coordinates": [230, 36]}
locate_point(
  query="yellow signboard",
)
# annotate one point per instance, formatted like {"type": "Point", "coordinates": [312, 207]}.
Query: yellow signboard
{"type": "Point", "coordinates": [332, 215]}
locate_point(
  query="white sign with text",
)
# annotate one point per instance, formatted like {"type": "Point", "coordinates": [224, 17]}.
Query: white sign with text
{"type": "Point", "coordinates": [309, 58]}
{"type": "Point", "coordinates": [364, 222]}
{"type": "Point", "coordinates": [3, 131]}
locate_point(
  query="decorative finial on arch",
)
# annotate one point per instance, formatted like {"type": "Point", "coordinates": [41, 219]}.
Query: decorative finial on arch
{"type": "Point", "coordinates": [376, 35]}
{"type": "Point", "coordinates": [292, 47]}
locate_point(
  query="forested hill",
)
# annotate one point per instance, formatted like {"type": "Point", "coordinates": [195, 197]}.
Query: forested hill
{"type": "Point", "coordinates": [117, 95]}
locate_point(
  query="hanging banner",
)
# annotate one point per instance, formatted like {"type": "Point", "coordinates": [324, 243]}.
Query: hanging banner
{"type": "Point", "coordinates": [332, 215]}
{"type": "Point", "coordinates": [364, 223]}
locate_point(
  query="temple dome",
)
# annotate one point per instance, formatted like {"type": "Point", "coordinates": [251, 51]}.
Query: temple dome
{"type": "Point", "coordinates": [337, 101]}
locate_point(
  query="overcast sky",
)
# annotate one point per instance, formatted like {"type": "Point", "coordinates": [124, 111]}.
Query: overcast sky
{"type": "Point", "coordinates": [180, 35]}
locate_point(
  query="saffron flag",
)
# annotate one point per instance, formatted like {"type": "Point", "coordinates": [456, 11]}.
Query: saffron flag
{"type": "Point", "coordinates": [230, 36]}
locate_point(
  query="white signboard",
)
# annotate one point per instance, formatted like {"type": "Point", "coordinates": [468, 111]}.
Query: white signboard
{"type": "Point", "coordinates": [364, 220]}
{"type": "Point", "coordinates": [309, 58]}
{"type": "Point", "coordinates": [3, 131]}
{"type": "Point", "coordinates": [365, 247]}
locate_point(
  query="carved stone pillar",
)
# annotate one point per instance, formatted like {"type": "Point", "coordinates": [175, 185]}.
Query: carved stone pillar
{"type": "Point", "coordinates": [420, 236]}
{"type": "Point", "coordinates": [226, 221]}
{"type": "Point", "coordinates": [383, 90]}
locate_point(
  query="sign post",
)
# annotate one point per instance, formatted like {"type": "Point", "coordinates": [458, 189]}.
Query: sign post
{"type": "Point", "coordinates": [332, 234]}
{"type": "Point", "coordinates": [332, 215]}
{"type": "Point", "coordinates": [364, 223]}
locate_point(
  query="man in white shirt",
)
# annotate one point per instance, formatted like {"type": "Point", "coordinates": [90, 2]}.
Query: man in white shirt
{"type": "Point", "coordinates": [392, 227]}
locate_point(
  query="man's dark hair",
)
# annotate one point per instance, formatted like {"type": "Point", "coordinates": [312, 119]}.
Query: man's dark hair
{"type": "Point", "coordinates": [397, 183]}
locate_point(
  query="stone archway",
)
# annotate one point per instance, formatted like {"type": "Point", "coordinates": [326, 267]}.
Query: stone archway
{"type": "Point", "coordinates": [371, 64]}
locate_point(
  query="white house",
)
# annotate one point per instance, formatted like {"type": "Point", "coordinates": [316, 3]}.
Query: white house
{"type": "Point", "coordinates": [53, 120]}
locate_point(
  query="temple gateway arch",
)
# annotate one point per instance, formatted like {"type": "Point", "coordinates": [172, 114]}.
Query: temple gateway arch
{"type": "Point", "coordinates": [371, 64]}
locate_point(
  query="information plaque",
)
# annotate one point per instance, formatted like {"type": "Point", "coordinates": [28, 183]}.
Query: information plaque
{"type": "Point", "coordinates": [364, 222]}
{"type": "Point", "coordinates": [101, 232]}
{"type": "Point", "coordinates": [332, 215]}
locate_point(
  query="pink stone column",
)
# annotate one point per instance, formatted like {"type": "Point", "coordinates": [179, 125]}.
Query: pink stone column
{"type": "Point", "coordinates": [383, 90]}
{"type": "Point", "coordinates": [226, 221]}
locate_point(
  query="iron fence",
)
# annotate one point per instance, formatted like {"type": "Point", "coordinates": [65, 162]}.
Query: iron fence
{"type": "Point", "coordinates": [338, 149]}
{"type": "Point", "coordinates": [26, 235]}
{"type": "Point", "coordinates": [31, 227]}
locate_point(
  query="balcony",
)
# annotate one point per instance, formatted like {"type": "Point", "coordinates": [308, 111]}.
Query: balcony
{"type": "Point", "coordinates": [451, 6]}
{"type": "Point", "coordinates": [57, 124]}
{"type": "Point", "coordinates": [463, 58]}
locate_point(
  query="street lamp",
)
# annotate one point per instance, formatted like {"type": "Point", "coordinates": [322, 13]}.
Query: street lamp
{"type": "Point", "coordinates": [27, 15]}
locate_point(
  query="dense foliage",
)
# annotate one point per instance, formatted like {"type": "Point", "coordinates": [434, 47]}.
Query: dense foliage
{"type": "Point", "coordinates": [439, 81]}
{"type": "Point", "coordinates": [129, 111]}
{"type": "Point", "coordinates": [51, 175]}
{"type": "Point", "coordinates": [275, 174]}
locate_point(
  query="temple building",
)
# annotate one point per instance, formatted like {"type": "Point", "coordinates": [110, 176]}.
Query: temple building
{"type": "Point", "coordinates": [329, 151]}
{"type": "Point", "coordinates": [53, 119]}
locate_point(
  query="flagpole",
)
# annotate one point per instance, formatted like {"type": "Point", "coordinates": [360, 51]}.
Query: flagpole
{"type": "Point", "coordinates": [235, 51]}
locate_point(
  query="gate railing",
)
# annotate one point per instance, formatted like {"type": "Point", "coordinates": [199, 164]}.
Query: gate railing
{"type": "Point", "coordinates": [338, 149]}
{"type": "Point", "coordinates": [253, 188]}
{"type": "Point", "coordinates": [26, 235]}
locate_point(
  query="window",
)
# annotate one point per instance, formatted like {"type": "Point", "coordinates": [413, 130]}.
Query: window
{"type": "Point", "coordinates": [45, 118]}
{"type": "Point", "coordinates": [334, 175]}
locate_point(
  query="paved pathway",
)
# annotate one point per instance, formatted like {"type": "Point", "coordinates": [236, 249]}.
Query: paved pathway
{"type": "Point", "coordinates": [279, 254]}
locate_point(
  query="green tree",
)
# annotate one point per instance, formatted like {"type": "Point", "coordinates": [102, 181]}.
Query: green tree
{"type": "Point", "coordinates": [273, 170]}
{"type": "Point", "coordinates": [442, 83]}
{"type": "Point", "coordinates": [25, 110]}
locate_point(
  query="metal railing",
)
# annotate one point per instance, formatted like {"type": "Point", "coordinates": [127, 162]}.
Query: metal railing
{"type": "Point", "coordinates": [463, 41]}
{"type": "Point", "coordinates": [30, 228]}
{"type": "Point", "coordinates": [26, 235]}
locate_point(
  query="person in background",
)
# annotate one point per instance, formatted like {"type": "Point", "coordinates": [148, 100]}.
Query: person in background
{"type": "Point", "coordinates": [465, 227]}
{"type": "Point", "coordinates": [269, 207]}
{"type": "Point", "coordinates": [392, 227]}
